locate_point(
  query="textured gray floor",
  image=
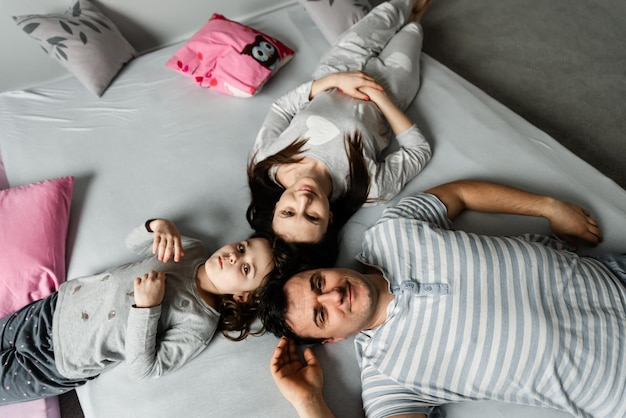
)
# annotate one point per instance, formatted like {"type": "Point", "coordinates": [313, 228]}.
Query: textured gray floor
{"type": "Point", "coordinates": [560, 64]}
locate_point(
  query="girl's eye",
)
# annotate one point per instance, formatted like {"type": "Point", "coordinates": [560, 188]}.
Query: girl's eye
{"type": "Point", "coordinates": [246, 268]}
{"type": "Point", "coordinates": [241, 248]}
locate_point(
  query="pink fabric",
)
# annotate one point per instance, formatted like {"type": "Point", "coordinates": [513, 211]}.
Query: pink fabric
{"type": "Point", "coordinates": [33, 229]}
{"type": "Point", "coordinates": [41, 408]}
{"type": "Point", "coordinates": [229, 57]}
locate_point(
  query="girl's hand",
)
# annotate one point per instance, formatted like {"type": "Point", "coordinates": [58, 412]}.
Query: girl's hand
{"type": "Point", "coordinates": [149, 289]}
{"type": "Point", "coordinates": [347, 82]}
{"type": "Point", "coordinates": [167, 243]}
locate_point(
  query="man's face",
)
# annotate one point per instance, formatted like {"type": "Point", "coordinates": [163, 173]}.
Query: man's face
{"type": "Point", "coordinates": [331, 304]}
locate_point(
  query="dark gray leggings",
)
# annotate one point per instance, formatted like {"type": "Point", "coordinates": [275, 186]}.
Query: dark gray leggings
{"type": "Point", "coordinates": [27, 368]}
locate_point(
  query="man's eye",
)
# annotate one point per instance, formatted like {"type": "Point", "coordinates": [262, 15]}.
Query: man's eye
{"type": "Point", "coordinates": [319, 284]}
{"type": "Point", "coordinates": [312, 218]}
{"type": "Point", "coordinates": [246, 268]}
{"type": "Point", "coordinates": [322, 316]}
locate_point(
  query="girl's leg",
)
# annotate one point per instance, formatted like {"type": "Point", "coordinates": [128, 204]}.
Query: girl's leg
{"type": "Point", "coordinates": [27, 368]}
{"type": "Point", "coordinates": [366, 38]}
{"type": "Point", "coordinates": [397, 67]}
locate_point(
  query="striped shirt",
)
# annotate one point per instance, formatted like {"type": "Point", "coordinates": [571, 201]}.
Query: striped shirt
{"type": "Point", "coordinates": [515, 319]}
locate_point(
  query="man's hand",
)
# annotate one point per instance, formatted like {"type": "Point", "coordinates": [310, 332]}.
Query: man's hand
{"type": "Point", "coordinates": [570, 222]}
{"type": "Point", "coordinates": [167, 243]}
{"type": "Point", "coordinates": [300, 383]}
{"type": "Point", "coordinates": [149, 289]}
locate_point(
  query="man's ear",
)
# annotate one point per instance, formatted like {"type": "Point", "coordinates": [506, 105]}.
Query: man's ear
{"type": "Point", "coordinates": [242, 297]}
{"type": "Point", "coordinates": [332, 340]}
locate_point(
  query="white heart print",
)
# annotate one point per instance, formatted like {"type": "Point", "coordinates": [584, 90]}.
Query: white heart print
{"type": "Point", "coordinates": [321, 130]}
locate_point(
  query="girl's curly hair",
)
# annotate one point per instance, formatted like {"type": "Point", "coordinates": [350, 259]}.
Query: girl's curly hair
{"type": "Point", "coordinates": [237, 318]}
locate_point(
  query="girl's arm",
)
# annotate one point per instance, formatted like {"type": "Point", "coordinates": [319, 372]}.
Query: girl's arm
{"type": "Point", "coordinates": [167, 240]}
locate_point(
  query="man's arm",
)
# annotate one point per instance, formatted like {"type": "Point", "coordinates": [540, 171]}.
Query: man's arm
{"type": "Point", "coordinates": [301, 383]}
{"type": "Point", "coordinates": [567, 220]}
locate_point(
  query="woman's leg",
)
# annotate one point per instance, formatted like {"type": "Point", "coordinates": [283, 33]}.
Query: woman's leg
{"type": "Point", "coordinates": [27, 368]}
{"type": "Point", "coordinates": [366, 38]}
{"type": "Point", "coordinates": [397, 67]}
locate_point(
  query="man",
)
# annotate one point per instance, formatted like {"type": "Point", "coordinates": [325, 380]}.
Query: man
{"type": "Point", "coordinates": [448, 316]}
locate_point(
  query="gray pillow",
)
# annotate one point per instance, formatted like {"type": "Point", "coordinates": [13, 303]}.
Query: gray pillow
{"type": "Point", "coordinates": [333, 17]}
{"type": "Point", "coordinates": [84, 41]}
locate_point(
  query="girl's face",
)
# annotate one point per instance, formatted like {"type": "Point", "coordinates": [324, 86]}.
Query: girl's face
{"type": "Point", "coordinates": [302, 213]}
{"type": "Point", "coordinates": [240, 267]}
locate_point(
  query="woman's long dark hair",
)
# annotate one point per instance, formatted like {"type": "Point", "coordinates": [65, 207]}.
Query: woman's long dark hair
{"type": "Point", "coordinates": [265, 192]}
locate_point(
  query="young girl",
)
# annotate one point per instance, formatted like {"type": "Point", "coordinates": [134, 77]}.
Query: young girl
{"type": "Point", "coordinates": [155, 314]}
{"type": "Point", "coordinates": [318, 156]}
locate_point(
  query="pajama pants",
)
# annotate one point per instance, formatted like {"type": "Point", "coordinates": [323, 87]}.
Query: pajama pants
{"type": "Point", "coordinates": [27, 368]}
{"type": "Point", "coordinates": [384, 46]}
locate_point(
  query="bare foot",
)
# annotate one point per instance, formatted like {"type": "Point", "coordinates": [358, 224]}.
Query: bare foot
{"type": "Point", "coordinates": [419, 8]}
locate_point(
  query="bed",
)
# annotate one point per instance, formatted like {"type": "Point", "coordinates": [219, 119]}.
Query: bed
{"type": "Point", "coordinates": [157, 145]}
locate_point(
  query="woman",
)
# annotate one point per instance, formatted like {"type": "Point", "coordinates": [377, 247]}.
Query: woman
{"type": "Point", "coordinates": [317, 158]}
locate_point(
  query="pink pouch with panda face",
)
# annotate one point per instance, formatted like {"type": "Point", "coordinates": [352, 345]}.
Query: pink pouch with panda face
{"type": "Point", "coordinates": [230, 57]}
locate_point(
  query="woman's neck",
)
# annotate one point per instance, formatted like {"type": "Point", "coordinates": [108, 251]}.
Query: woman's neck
{"type": "Point", "coordinates": [288, 174]}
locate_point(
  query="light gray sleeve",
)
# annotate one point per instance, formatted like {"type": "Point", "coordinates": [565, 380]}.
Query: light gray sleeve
{"type": "Point", "coordinates": [391, 175]}
{"type": "Point", "coordinates": [279, 117]}
{"type": "Point", "coordinates": [139, 241]}
{"type": "Point", "coordinates": [145, 358]}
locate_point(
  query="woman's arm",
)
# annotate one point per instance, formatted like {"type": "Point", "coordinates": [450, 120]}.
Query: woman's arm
{"type": "Point", "coordinates": [397, 119]}
{"type": "Point", "coordinates": [350, 83]}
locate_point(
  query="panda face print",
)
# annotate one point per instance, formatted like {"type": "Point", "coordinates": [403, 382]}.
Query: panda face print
{"type": "Point", "coordinates": [263, 51]}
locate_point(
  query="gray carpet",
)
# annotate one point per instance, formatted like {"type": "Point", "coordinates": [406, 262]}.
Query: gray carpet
{"type": "Point", "coordinates": [560, 64]}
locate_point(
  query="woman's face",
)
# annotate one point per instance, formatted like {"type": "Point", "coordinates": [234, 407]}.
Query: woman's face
{"type": "Point", "coordinates": [302, 213]}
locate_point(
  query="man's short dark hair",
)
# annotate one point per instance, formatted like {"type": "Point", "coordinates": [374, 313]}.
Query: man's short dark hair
{"type": "Point", "coordinates": [273, 308]}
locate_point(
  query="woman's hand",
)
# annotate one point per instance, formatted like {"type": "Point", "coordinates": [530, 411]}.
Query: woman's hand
{"type": "Point", "coordinates": [149, 290]}
{"type": "Point", "coordinates": [348, 83]}
{"type": "Point", "coordinates": [167, 242]}
{"type": "Point", "coordinates": [397, 119]}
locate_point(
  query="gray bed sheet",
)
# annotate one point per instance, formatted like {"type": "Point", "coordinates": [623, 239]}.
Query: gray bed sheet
{"type": "Point", "coordinates": [157, 145]}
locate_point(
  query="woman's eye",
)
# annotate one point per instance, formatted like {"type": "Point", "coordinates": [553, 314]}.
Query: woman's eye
{"type": "Point", "coordinates": [287, 213]}
{"type": "Point", "coordinates": [312, 218]}
{"type": "Point", "coordinates": [322, 316]}
{"type": "Point", "coordinates": [241, 248]}
{"type": "Point", "coordinates": [246, 268]}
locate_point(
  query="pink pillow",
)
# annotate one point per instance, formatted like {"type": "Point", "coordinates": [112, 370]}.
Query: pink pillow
{"type": "Point", "coordinates": [229, 57]}
{"type": "Point", "coordinates": [33, 229]}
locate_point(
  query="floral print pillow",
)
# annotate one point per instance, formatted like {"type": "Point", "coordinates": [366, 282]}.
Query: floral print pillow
{"type": "Point", "coordinates": [84, 41]}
